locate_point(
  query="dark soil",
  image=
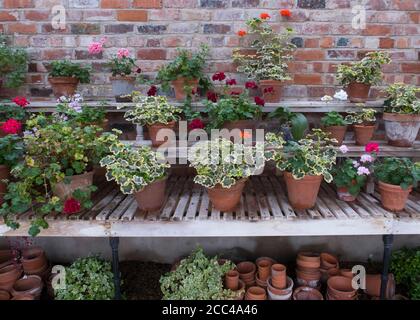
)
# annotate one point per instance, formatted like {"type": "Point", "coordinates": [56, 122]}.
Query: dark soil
{"type": "Point", "coordinates": [141, 279]}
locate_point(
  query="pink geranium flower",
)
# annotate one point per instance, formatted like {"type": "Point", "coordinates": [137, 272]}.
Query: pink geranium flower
{"type": "Point", "coordinates": [123, 53]}
{"type": "Point", "coordinates": [97, 47]}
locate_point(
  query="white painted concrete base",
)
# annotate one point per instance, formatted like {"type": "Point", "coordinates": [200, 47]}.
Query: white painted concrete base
{"type": "Point", "coordinates": [167, 250]}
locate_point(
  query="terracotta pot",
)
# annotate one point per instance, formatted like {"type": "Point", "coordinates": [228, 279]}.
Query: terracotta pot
{"type": "Point", "coordinates": [65, 191]}
{"type": "Point", "coordinates": [373, 286]}
{"type": "Point", "coordinates": [226, 200]}
{"type": "Point", "coordinates": [348, 273]}
{"type": "Point", "coordinates": [256, 293]}
{"type": "Point", "coordinates": [240, 293]}
{"type": "Point", "coordinates": [122, 88]}
{"type": "Point", "coordinates": [259, 282]}
{"type": "Point", "coordinates": [363, 134]}
{"type": "Point", "coordinates": [401, 129]}
{"type": "Point", "coordinates": [333, 272]}
{"type": "Point", "coordinates": [302, 264]}
{"type": "Point", "coordinates": [4, 295]}
{"type": "Point", "coordinates": [9, 275]}
{"type": "Point", "coordinates": [246, 271]}
{"type": "Point", "coordinates": [337, 132]}
{"type": "Point", "coordinates": [272, 261]}
{"type": "Point", "coordinates": [152, 197]}
{"type": "Point", "coordinates": [307, 293]}
{"type": "Point", "coordinates": [314, 275]}
{"type": "Point", "coordinates": [310, 257]}
{"type": "Point", "coordinates": [302, 193]}
{"type": "Point", "coordinates": [341, 288]}
{"type": "Point", "coordinates": [393, 198]}
{"type": "Point", "coordinates": [344, 195]}
{"type": "Point", "coordinates": [279, 276]}
{"type": "Point", "coordinates": [24, 297]}
{"type": "Point", "coordinates": [8, 257]}
{"type": "Point", "coordinates": [154, 130]}
{"type": "Point", "coordinates": [179, 85]}
{"type": "Point", "coordinates": [358, 92]}
{"type": "Point", "coordinates": [240, 126]}
{"type": "Point", "coordinates": [31, 285]}
{"type": "Point", "coordinates": [232, 280]}
{"type": "Point", "coordinates": [275, 86]}
{"type": "Point", "coordinates": [63, 86]}
{"type": "Point", "coordinates": [4, 174]}
{"type": "Point", "coordinates": [264, 269]}
{"type": "Point", "coordinates": [328, 261]}
{"type": "Point", "coordinates": [280, 294]}
{"type": "Point", "coordinates": [34, 260]}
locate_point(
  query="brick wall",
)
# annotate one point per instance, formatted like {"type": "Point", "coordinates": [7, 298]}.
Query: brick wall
{"type": "Point", "coordinates": [153, 29]}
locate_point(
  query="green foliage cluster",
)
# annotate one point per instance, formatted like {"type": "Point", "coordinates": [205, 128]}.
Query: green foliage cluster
{"type": "Point", "coordinates": [66, 68]}
{"type": "Point", "coordinates": [405, 265]}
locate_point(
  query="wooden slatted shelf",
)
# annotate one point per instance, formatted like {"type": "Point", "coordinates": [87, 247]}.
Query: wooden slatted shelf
{"type": "Point", "coordinates": [263, 211]}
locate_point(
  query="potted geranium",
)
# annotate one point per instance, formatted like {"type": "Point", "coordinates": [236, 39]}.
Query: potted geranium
{"type": "Point", "coordinates": [12, 116]}
{"type": "Point", "coordinates": [11, 152]}
{"type": "Point", "coordinates": [223, 168]}
{"type": "Point", "coordinates": [57, 172]}
{"type": "Point", "coordinates": [335, 124]}
{"type": "Point", "coordinates": [65, 76]}
{"type": "Point", "coordinates": [13, 66]}
{"type": "Point", "coordinates": [139, 171]}
{"type": "Point", "coordinates": [156, 113]}
{"type": "Point", "coordinates": [402, 114]}
{"type": "Point", "coordinates": [363, 125]}
{"type": "Point", "coordinates": [311, 160]}
{"type": "Point", "coordinates": [185, 73]}
{"type": "Point", "coordinates": [396, 177]}
{"type": "Point", "coordinates": [268, 62]}
{"type": "Point", "coordinates": [358, 77]}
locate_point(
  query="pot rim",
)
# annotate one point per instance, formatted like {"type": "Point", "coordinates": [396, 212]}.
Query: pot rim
{"type": "Point", "coordinates": [236, 185]}
{"type": "Point", "coordinates": [158, 124]}
{"type": "Point", "coordinates": [307, 177]}
{"type": "Point", "coordinates": [393, 188]}
{"type": "Point", "coordinates": [401, 117]}
{"type": "Point", "coordinates": [72, 80]}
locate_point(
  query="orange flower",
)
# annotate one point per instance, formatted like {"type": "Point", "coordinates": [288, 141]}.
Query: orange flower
{"type": "Point", "coordinates": [246, 135]}
{"type": "Point", "coordinates": [286, 13]}
{"type": "Point", "coordinates": [241, 33]}
{"type": "Point", "coordinates": [265, 15]}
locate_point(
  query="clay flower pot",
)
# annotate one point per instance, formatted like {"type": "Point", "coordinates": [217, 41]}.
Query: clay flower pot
{"type": "Point", "coordinates": [34, 261]}
{"type": "Point", "coordinates": [328, 261]}
{"type": "Point", "coordinates": [9, 275]}
{"type": "Point", "coordinates": [344, 195]}
{"type": "Point", "coordinates": [256, 293]}
{"type": "Point", "coordinates": [260, 283]}
{"type": "Point", "coordinates": [4, 174]}
{"type": "Point", "coordinates": [363, 134]}
{"type": "Point", "coordinates": [311, 257]}
{"type": "Point", "coordinates": [152, 197]}
{"type": "Point", "coordinates": [154, 130]}
{"type": "Point", "coordinates": [401, 129]}
{"type": "Point", "coordinates": [272, 261]}
{"type": "Point", "coordinates": [240, 292]}
{"type": "Point", "coordinates": [65, 191]}
{"type": "Point", "coordinates": [280, 294]}
{"type": "Point", "coordinates": [226, 200]}
{"type": "Point", "coordinates": [4, 295]}
{"type": "Point", "coordinates": [373, 286]}
{"type": "Point", "coordinates": [337, 132]}
{"type": "Point", "coordinates": [358, 92]}
{"type": "Point", "coordinates": [302, 193]}
{"type": "Point", "coordinates": [393, 198]}
{"type": "Point", "coordinates": [122, 88]}
{"type": "Point", "coordinates": [271, 90]}
{"type": "Point", "coordinates": [63, 86]}
{"type": "Point", "coordinates": [247, 271]}
{"type": "Point", "coordinates": [24, 297]}
{"type": "Point", "coordinates": [232, 280]}
{"type": "Point", "coordinates": [307, 293]}
{"type": "Point", "coordinates": [8, 257]}
{"type": "Point", "coordinates": [31, 285]}
{"type": "Point", "coordinates": [279, 276]}
{"type": "Point", "coordinates": [179, 85]}
{"type": "Point", "coordinates": [340, 288]}
{"type": "Point", "coordinates": [264, 269]}
{"type": "Point", "coordinates": [348, 273]}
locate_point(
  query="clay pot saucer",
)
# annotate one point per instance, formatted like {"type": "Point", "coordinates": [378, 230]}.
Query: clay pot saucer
{"type": "Point", "coordinates": [307, 293]}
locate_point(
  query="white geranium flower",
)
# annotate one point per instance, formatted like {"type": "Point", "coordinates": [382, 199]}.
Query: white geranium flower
{"type": "Point", "coordinates": [341, 95]}
{"type": "Point", "coordinates": [327, 98]}
{"type": "Point", "coordinates": [344, 149]}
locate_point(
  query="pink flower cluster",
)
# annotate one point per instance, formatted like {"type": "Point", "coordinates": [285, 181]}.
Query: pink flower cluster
{"type": "Point", "coordinates": [123, 53]}
{"type": "Point", "coordinates": [97, 47]}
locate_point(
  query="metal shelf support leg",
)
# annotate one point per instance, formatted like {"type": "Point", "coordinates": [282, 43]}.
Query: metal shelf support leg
{"type": "Point", "coordinates": [388, 241]}
{"type": "Point", "coordinates": [114, 242]}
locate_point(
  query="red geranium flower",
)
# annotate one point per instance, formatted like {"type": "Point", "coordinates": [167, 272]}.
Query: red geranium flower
{"type": "Point", "coordinates": [231, 82]}
{"type": "Point", "coordinates": [251, 85]}
{"type": "Point", "coordinates": [196, 124]}
{"type": "Point", "coordinates": [265, 15]}
{"type": "Point", "coordinates": [11, 126]}
{"type": "Point", "coordinates": [259, 101]}
{"type": "Point", "coordinates": [235, 93]}
{"type": "Point", "coordinates": [241, 33]}
{"type": "Point", "coordinates": [219, 76]}
{"type": "Point", "coordinates": [212, 96]}
{"type": "Point", "coordinates": [372, 147]}
{"type": "Point", "coordinates": [269, 90]}
{"type": "Point", "coordinates": [152, 91]}
{"type": "Point", "coordinates": [21, 101]}
{"type": "Point", "coordinates": [286, 13]}
{"type": "Point", "coordinates": [71, 206]}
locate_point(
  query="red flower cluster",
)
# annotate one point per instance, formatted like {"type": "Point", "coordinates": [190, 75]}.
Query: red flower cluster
{"type": "Point", "coordinates": [269, 90]}
{"type": "Point", "coordinates": [286, 13]}
{"type": "Point", "coordinates": [265, 15]}
{"type": "Point", "coordinates": [231, 82]}
{"type": "Point", "coordinates": [212, 96]}
{"type": "Point", "coordinates": [235, 93]}
{"type": "Point", "coordinates": [11, 126]}
{"type": "Point", "coordinates": [152, 91]}
{"type": "Point", "coordinates": [219, 76]}
{"type": "Point", "coordinates": [21, 101]}
{"type": "Point", "coordinates": [241, 33]}
{"type": "Point", "coordinates": [372, 147]}
{"type": "Point", "coordinates": [196, 124]}
{"type": "Point", "coordinates": [259, 101]}
{"type": "Point", "coordinates": [251, 85]}
{"type": "Point", "coordinates": [71, 206]}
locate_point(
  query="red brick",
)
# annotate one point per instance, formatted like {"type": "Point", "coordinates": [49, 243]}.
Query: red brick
{"type": "Point", "coordinates": [402, 43]}
{"type": "Point", "coordinates": [326, 42]}
{"type": "Point", "coordinates": [132, 15]}
{"type": "Point", "coordinates": [415, 17]}
{"type": "Point", "coordinates": [410, 67]}
{"type": "Point", "coordinates": [312, 43]}
{"type": "Point", "coordinates": [147, 4]}
{"type": "Point", "coordinates": [386, 43]}
{"type": "Point", "coordinates": [310, 55]}
{"type": "Point", "coordinates": [6, 16]}
{"type": "Point", "coordinates": [22, 28]}
{"type": "Point", "coordinates": [18, 4]}
{"type": "Point", "coordinates": [307, 79]}
{"type": "Point", "coordinates": [56, 54]}
{"type": "Point", "coordinates": [151, 54]}
{"type": "Point", "coordinates": [37, 15]}
{"type": "Point", "coordinates": [115, 4]}
{"type": "Point", "coordinates": [377, 30]}
{"type": "Point", "coordinates": [321, 91]}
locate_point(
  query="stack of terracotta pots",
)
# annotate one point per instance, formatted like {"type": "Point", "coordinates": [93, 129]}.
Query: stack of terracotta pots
{"type": "Point", "coordinates": [280, 286]}
{"type": "Point", "coordinates": [247, 270]}
{"type": "Point", "coordinates": [232, 282]}
{"type": "Point", "coordinates": [34, 262]}
{"type": "Point", "coordinates": [28, 287]}
{"type": "Point", "coordinates": [264, 265]}
{"type": "Point", "coordinates": [9, 275]}
{"type": "Point", "coordinates": [308, 272]}
{"type": "Point", "coordinates": [8, 257]}
{"type": "Point", "coordinates": [329, 266]}
{"type": "Point", "coordinates": [373, 286]}
{"type": "Point", "coordinates": [340, 288]}
{"type": "Point", "coordinates": [256, 293]}
{"type": "Point", "coordinates": [307, 293]}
